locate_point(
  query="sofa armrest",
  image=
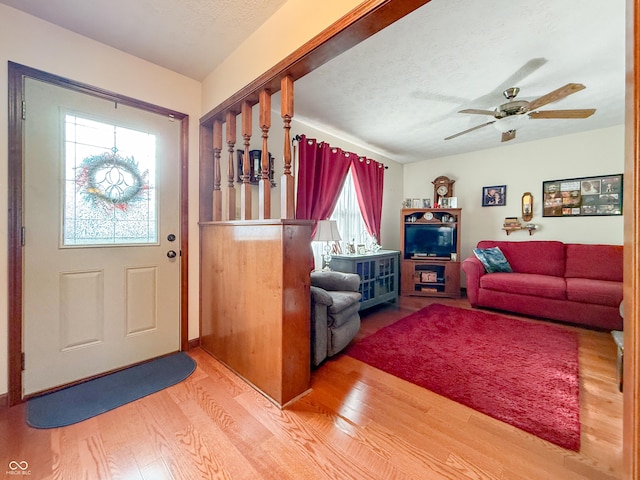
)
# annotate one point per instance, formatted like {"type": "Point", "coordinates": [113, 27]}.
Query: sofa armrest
{"type": "Point", "coordinates": [320, 296]}
{"type": "Point", "coordinates": [473, 270]}
{"type": "Point", "coordinates": [336, 281]}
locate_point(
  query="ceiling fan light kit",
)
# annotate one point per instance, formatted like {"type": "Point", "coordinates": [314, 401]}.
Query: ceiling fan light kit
{"type": "Point", "coordinates": [509, 116]}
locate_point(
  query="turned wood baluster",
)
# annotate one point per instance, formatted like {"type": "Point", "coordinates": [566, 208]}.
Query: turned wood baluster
{"type": "Point", "coordinates": [231, 142]}
{"type": "Point", "coordinates": [264, 207]}
{"type": "Point", "coordinates": [217, 192]}
{"type": "Point", "coordinates": [287, 209]}
{"type": "Point", "coordinates": [245, 188]}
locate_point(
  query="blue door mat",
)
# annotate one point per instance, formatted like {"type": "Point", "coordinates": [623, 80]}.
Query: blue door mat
{"type": "Point", "coordinates": [85, 400]}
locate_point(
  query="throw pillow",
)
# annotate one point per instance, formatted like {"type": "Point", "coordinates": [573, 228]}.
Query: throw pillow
{"type": "Point", "coordinates": [493, 259]}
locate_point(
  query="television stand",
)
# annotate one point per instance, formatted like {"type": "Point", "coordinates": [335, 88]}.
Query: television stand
{"type": "Point", "coordinates": [429, 274]}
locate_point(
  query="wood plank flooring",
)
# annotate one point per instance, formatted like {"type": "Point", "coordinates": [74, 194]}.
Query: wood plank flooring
{"type": "Point", "coordinates": [357, 423]}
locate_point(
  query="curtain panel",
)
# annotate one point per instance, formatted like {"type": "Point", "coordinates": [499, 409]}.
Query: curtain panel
{"type": "Point", "coordinates": [321, 174]}
{"type": "Point", "coordinates": [368, 176]}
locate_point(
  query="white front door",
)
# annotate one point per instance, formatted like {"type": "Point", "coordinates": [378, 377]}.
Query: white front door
{"type": "Point", "coordinates": [101, 218]}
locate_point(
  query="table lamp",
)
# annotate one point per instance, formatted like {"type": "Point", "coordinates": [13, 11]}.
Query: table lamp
{"type": "Point", "coordinates": [327, 231]}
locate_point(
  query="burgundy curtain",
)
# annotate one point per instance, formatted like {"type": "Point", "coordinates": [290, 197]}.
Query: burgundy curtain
{"type": "Point", "coordinates": [321, 174]}
{"type": "Point", "coordinates": [368, 176]}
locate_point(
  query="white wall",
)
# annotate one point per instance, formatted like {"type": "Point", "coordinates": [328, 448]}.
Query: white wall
{"type": "Point", "coordinates": [29, 41]}
{"type": "Point", "coordinates": [522, 168]}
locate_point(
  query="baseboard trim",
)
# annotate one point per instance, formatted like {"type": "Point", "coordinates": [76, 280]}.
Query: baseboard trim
{"type": "Point", "coordinates": [195, 343]}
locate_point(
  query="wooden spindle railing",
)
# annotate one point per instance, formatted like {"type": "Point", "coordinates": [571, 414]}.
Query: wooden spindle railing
{"type": "Point", "coordinates": [264, 202]}
{"type": "Point", "coordinates": [231, 171]}
{"type": "Point", "coordinates": [217, 178]}
{"type": "Point", "coordinates": [245, 188]}
{"type": "Point", "coordinates": [287, 207]}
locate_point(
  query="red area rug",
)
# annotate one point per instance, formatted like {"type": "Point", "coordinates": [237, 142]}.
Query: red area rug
{"type": "Point", "coordinates": [524, 374]}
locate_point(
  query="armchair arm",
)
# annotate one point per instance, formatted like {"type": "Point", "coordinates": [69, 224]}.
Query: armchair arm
{"type": "Point", "coordinates": [320, 296]}
{"type": "Point", "coordinates": [473, 270]}
{"type": "Point", "coordinates": [336, 281]}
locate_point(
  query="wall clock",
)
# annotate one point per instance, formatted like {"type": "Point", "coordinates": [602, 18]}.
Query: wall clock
{"type": "Point", "coordinates": [442, 187]}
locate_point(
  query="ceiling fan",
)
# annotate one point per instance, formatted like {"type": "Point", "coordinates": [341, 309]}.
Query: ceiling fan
{"type": "Point", "coordinates": [509, 116]}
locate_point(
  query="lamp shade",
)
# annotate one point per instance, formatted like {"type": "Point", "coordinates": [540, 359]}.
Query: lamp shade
{"type": "Point", "coordinates": [327, 231]}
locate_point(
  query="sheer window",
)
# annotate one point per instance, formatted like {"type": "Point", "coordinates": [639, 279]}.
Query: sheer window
{"type": "Point", "coordinates": [350, 222]}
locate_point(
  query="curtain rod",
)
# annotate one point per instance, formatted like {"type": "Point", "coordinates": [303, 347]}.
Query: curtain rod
{"type": "Point", "coordinates": [297, 138]}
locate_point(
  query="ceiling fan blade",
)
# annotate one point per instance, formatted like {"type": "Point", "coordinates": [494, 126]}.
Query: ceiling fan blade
{"type": "Point", "coordinates": [514, 79]}
{"type": "Point", "coordinates": [556, 95]}
{"type": "Point", "coordinates": [580, 113]}
{"type": "Point", "coordinates": [476, 111]}
{"type": "Point", "coordinates": [510, 135]}
{"type": "Point", "coordinates": [470, 130]}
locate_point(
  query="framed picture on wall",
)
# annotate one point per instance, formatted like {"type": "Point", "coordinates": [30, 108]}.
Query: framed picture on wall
{"type": "Point", "coordinates": [582, 196]}
{"type": "Point", "coordinates": [495, 196]}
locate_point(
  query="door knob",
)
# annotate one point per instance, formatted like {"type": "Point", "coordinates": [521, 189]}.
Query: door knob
{"type": "Point", "coordinates": [171, 254]}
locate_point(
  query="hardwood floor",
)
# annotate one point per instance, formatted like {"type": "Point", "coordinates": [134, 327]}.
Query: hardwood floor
{"type": "Point", "coordinates": [358, 422]}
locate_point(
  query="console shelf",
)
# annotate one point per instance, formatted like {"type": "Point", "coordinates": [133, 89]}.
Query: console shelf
{"type": "Point", "coordinates": [429, 256]}
{"type": "Point", "coordinates": [378, 275]}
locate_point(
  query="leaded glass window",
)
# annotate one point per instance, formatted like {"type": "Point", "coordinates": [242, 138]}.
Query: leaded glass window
{"type": "Point", "coordinates": [110, 184]}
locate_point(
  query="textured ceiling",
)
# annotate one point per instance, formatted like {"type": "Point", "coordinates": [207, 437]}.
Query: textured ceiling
{"type": "Point", "coordinates": [397, 93]}
{"type": "Point", "coordinates": [188, 36]}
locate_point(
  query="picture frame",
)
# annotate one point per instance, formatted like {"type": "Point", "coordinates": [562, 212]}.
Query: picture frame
{"type": "Point", "coordinates": [494, 196]}
{"type": "Point", "coordinates": [449, 202]}
{"type": "Point", "coordinates": [583, 196]}
{"type": "Point", "coordinates": [426, 203]}
{"type": "Point", "coordinates": [416, 203]}
{"type": "Point", "coordinates": [406, 203]}
{"type": "Point", "coordinates": [362, 249]}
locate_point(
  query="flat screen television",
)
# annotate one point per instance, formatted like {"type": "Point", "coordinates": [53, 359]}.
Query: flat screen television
{"type": "Point", "coordinates": [434, 240]}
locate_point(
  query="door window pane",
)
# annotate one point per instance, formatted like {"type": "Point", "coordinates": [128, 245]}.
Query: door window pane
{"type": "Point", "coordinates": [110, 184]}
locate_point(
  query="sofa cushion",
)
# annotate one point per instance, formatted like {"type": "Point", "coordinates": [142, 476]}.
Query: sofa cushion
{"type": "Point", "coordinates": [601, 292]}
{"type": "Point", "coordinates": [545, 257]}
{"type": "Point", "coordinates": [601, 262]}
{"type": "Point", "coordinates": [547, 286]}
{"type": "Point", "coordinates": [493, 259]}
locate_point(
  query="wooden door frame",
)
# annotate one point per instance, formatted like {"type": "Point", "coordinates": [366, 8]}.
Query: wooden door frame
{"type": "Point", "coordinates": [631, 404]}
{"type": "Point", "coordinates": [15, 274]}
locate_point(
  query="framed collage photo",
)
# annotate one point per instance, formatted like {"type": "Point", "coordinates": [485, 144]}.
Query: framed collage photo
{"type": "Point", "coordinates": [584, 196]}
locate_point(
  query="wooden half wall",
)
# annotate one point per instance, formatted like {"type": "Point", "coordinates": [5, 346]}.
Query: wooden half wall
{"type": "Point", "coordinates": [255, 311]}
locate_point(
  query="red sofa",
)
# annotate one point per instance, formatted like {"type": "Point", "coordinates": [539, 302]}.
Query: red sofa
{"type": "Point", "coordinates": [574, 283]}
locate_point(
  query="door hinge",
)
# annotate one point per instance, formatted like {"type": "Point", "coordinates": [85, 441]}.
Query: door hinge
{"type": "Point", "coordinates": [23, 233]}
{"type": "Point", "coordinates": [24, 110]}
{"type": "Point", "coordinates": [22, 361]}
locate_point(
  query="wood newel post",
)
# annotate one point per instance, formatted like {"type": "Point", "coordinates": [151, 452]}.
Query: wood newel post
{"type": "Point", "coordinates": [245, 188]}
{"type": "Point", "coordinates": [231, 172]}
{"type": "Point", "coordinates": [217, 193]}
{"type": "Point", "coordinates": [264, 189]}
{"type": "Point", "coordinates": [287, 209]}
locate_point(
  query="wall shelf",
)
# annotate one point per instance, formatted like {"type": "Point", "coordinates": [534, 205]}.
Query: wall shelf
{"type": "Point", "coordinates": [531, 229]}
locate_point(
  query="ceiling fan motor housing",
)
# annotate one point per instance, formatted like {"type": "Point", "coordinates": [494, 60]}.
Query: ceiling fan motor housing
{"type": "Point", "coordinates": [515, 107]}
